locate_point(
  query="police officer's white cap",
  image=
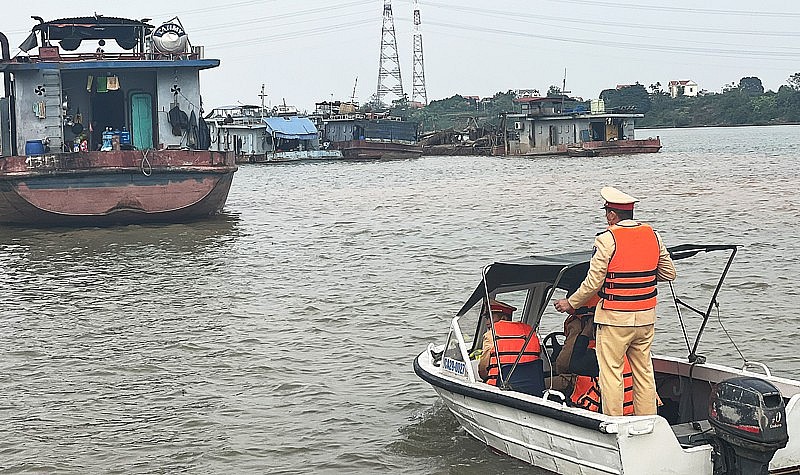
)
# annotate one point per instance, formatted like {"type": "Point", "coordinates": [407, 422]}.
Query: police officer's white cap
{"type": "Point", "coordinates": [616, 199]}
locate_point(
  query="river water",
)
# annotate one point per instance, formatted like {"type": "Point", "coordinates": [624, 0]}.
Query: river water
{"type": "Point", "coordinates": [279, 337]}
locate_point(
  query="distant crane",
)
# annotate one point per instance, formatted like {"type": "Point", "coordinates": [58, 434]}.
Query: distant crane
{"type": "Point", "coordinates": [389, 80]}
{"type": "Point", "coordinates": [418, 93]}
{"type": "Point", "coordinates": [353, 97]}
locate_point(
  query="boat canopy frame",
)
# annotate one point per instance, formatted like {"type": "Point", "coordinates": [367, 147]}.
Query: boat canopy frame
{"type": "Point", "coordinates": [566, 271]}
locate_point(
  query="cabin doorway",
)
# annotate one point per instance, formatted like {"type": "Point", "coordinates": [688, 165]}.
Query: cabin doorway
{"type": "Point", "coordinates": [142, 120]}
{"type": "Point", "coordinates": [108, 110]}
{"type": "Point", "coordinates": [611, 132]}
{"type": "Point", "coordinates": [598, 131]}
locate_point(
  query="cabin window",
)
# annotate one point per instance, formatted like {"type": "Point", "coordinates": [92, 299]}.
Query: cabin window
{"type": "Point", "coordinates": [518, 299]}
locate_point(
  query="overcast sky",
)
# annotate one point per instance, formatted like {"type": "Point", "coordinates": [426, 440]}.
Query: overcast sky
{"type": "Point", "coordinates": [306, 51]}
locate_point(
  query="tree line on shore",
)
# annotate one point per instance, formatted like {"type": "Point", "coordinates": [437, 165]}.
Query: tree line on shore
{"type": "Point", "coordinates": [742, 103]}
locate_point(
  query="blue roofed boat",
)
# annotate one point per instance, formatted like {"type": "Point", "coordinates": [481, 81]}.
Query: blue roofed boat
{"type": "Point", "coordinates": [257, 135]}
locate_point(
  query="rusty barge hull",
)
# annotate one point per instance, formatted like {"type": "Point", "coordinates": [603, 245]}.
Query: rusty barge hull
{"type": "Point", "coordinates": [109, 188]}
{"type": "Point", "coordinates": [367, 150]}
{"type": "Point", "coordinates": [615, 147]}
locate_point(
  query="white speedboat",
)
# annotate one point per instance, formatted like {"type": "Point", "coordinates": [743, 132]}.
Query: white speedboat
{"type": "Point", "coordinates": [714, 419]}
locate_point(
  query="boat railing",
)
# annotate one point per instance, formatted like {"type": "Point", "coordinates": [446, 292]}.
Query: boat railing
{"type": "Point", "coordinates": [389, 141]}
{"type": "Point", "coordinates": [106, 56]}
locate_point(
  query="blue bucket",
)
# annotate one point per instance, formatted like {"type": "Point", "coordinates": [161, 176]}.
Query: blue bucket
{"type": "Point", "coordinates": [34, 147]}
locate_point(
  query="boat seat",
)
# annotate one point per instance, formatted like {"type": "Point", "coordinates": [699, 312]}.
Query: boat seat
{"type": "Point", "coordinates": [527, 378]}
{"type": "Point", "coordinates": [689, 436]}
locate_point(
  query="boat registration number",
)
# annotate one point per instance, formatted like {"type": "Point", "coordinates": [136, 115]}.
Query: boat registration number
{"type": "Point", "coordinates": [454, 366]}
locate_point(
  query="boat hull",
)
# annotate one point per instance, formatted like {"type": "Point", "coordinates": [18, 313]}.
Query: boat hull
{"type": "Point", "coordinates": [570, 440]}
{"type": "Point", "coordinates": [457, 150]}
{"type": "Point", "coordinates": [107, 188]}
{"type": "Point", "coordinates": [295, 156]}
{"type": "Point", "coordinates": [615, 147]}
{"type": "Point", "coordinates": [369, 150]}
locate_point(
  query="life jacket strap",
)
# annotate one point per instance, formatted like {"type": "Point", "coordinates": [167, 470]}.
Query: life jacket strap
{"type": "Point", "coordinates": [630, 285]}
{"type": "Point", "coordinates": [632, 274]}
{"type": "Point", "coordinates": [627, 298]}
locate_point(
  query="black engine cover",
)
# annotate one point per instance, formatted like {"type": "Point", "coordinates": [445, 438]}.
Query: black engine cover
{"type": "Point", "coordinates": [749, 420]}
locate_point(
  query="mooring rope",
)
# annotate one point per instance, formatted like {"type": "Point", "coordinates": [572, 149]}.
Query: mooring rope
{"type": "Point", "coordinates": [147, 169]}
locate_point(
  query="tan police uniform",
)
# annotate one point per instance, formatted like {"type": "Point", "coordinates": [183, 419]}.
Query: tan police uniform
{"type": "Point", "coordinates": [622, 332]}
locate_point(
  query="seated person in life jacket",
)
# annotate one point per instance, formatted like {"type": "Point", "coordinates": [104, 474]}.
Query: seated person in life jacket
{"type": "Point", "coordinates": [578, 357]}
{"type": "Point", "coordinates": [528, 375]}
{"type": "Point", "coordinates": [578, 328]}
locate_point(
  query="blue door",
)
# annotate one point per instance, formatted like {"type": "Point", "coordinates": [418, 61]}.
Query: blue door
{"type": "Point", "coordinates": [142, 120]}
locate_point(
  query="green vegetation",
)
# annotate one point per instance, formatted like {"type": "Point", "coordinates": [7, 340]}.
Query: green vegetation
{"type": "Point", "coordinates": [745, 103]}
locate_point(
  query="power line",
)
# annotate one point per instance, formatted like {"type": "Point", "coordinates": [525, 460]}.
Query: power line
{"type": "Point", "coordinates": [643, 47]}
{"type": "Point", "coordinates": [518, 16]}
{"type": "Point", "coordinates": [705, 11]}
{"type": "Point", "coordinates": [215, 9]}
{"type": "Point", "coordinates": [324, 29]}
{"type": "Point", "coordinates": [300, 13]}
{"type": "Point", "coordinates": [674, 43]}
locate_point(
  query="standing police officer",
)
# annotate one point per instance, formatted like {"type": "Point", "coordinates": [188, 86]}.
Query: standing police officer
{"type": "Point", "coordinates": [628, 260]}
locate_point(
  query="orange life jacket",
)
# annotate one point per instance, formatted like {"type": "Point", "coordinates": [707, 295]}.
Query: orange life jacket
{"type": "Point", "coordinates": [586, 391]}
{"type": "Point", "coordinates": [510, 336]}
{"type": "Point", "coordinates": [630, 283]}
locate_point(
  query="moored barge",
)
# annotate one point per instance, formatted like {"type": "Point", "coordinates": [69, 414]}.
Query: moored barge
{"type": "Point", "coordinates": [96, 137]}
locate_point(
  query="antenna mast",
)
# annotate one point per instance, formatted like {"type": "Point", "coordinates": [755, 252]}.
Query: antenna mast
{"type": "Point", "coordinates": [353, 97]}
{"type": "Point", "coordinates": [389, 80]}
{"type": "Point", "coordinates": [418, 94]}
{"type": "Point", "coordinates": [263, 95]}
{"type": "Point", "coordinates": [564, 91]}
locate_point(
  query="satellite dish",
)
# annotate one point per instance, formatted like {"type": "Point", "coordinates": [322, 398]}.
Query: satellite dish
{"type": "Point", "coordinates": [169, 38]}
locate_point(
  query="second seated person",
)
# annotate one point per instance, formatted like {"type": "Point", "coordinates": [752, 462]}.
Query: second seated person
{"type": "Point", "coordinates": [578, 358]}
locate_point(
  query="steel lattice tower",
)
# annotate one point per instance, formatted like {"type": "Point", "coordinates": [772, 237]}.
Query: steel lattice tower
{"type": "Point", "coordinates": [389, 80]}
{"type": "Point", "coordinates": [418, 93]}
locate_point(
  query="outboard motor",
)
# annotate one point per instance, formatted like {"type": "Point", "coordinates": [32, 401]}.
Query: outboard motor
{"type": "Point", "coordinates": [749, 420]}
